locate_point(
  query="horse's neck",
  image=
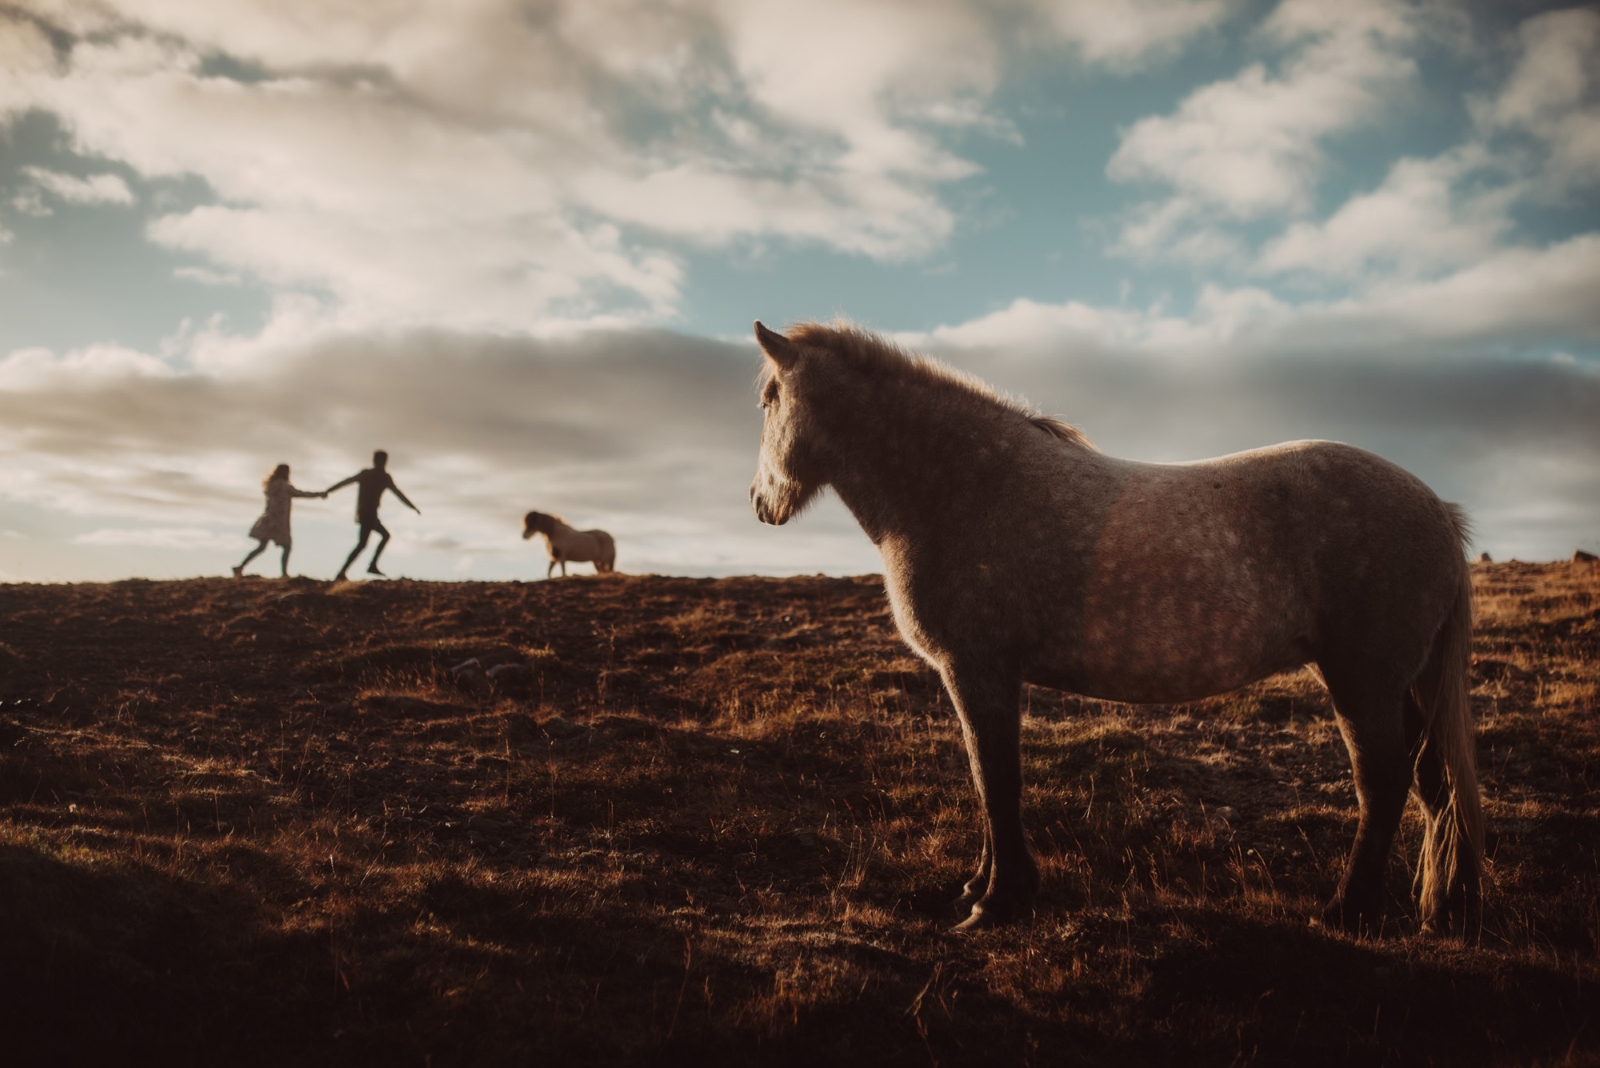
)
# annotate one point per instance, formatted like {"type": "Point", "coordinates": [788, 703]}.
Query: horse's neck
{"type": "Point", "coordinates": [904, 468]}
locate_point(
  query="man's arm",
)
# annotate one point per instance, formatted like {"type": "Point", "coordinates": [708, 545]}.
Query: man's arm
{"type": "Point", "coordinates": [341, 485]}
{"type": "Point", "coordinates": [396, 491]}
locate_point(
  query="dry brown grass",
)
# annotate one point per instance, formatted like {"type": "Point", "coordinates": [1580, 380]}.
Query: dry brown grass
{"type": "Point", "coordinates": [721, 821]}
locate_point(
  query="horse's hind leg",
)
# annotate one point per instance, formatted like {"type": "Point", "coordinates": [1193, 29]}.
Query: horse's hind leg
{"type": "Point", "coordinates": [1007, 878]}
{"type": "Point", "coordinates": [1375, 734]}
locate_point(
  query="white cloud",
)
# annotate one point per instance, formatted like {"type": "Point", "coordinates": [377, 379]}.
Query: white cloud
{"type": "Point", "coordinates": [95, 189]}
{"type": "Point", "coordinates": [26, 367]}
{"type": "Point", "coordinates": [157, 538]}
{"type": "Point", "coordinates": [1525, 296]}
{"type": "Point", "coordinates": [1533, 295]}
{"type": "Point", "coordinates": [488, 167]}
{"type": "Point", "coordinates": [876, 67]}
{"type": "Point", "coordinates": [1175, 231]}
{"type": "Point", "coordinates": [25, 54]}
{"type": "Point", "coordinates": [1251, 149]}
{"type": "Point", "coordinates": [1553, 96]}
{"type": "Point", "coordinates": [1224, 322]}
{"type": "Point", "coordinates": [207, 277]}
{"type": "Point", "coordinates": [431, 163]}
{"type": "Point", "coordinates": [30, 201]}
{"type": "Point", "coordinates": [1415, 223]}
{"type": "Point", "coordinates": [1123, 32]}
{"type": "Point", "coordinates": [1251, 146]}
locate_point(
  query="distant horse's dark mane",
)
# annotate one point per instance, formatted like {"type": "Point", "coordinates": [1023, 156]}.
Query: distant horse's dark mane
{"type": "Point", "coordinates": [543, 522]}
{"type": "Point", "coordinates": [881, 357]}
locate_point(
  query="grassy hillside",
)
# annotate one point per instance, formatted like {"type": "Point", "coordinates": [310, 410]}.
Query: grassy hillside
{"type": "Point", "coordinates": [719, 822]}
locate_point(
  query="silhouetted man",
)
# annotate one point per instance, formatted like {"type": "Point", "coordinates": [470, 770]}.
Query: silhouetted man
{"type": "Point", "coordinates": [372, 482]}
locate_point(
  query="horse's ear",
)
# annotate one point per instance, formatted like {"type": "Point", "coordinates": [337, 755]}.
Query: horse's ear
{"type": "Point", "coordinates": [779, 349]}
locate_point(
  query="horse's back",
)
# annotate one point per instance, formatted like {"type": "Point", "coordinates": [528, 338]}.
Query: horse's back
{"type": "Point", "coordinates": [1251, 563]}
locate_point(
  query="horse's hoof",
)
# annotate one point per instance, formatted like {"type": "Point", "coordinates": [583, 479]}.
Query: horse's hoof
{"type": "Point", "coordinates": [1458, 915]}
{"type": "Point", "coordinates": [977, 920]}
{"type": "Point", "coordinates": [970, 896]}
{"type": "Point", "coordinates": [1465, 927]}
{"type": "Point", "coordinates": [990, 913]}
{"type": "Point", "coordinates": [1343, 916]}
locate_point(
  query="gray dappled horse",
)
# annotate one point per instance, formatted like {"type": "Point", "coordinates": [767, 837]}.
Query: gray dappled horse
{"type": "Point", "coordinates": [1014, 551]}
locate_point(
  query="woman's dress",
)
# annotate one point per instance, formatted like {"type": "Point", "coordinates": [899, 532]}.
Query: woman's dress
{"type": "Point", "coordinates": [274, 522]}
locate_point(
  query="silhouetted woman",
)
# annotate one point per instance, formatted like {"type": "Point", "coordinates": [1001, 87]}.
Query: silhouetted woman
{"type": "Point", "coordinates": [274, 522]}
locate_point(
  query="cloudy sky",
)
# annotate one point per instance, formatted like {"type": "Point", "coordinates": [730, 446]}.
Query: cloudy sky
{"type": "Point", "coordinates": [519, 244]}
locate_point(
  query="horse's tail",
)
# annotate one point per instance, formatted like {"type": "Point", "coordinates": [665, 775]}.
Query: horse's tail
{"type": "Point", "coordinates": [607, 560]}
{"type": "Point", "coordinates": [1449, 880]}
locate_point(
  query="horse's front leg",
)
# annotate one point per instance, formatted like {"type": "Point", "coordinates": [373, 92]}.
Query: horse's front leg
{"type": "Point", "coordinates": [974, 888]}
{"type": "Point", "coordinates": [1007, 878]}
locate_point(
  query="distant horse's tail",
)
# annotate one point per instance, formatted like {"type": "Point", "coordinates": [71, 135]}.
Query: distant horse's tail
{"type": "Point", "coordinates": [1451, 873]}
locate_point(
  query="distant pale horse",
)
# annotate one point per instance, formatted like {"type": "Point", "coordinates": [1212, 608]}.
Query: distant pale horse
{"type": "Point", "coordinates": [564, 543]}
{"type": "Point", "coordinates": [1014, 551]}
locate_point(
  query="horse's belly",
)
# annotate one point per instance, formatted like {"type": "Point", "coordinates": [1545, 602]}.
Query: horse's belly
{"type": "Point", "coordinates": [1180, 656]}
{"type": "Point", "coordinates": [578, 548]}
{"type": "Point", "coordinates": [1178, 611]}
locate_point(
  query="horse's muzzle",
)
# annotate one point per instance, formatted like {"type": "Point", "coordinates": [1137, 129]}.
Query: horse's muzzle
{"type": "Point", "coordinates": [763, 510]}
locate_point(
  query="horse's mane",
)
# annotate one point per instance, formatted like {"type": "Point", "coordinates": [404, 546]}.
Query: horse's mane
{"type": "Point", "coordinates": [880, 357]}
